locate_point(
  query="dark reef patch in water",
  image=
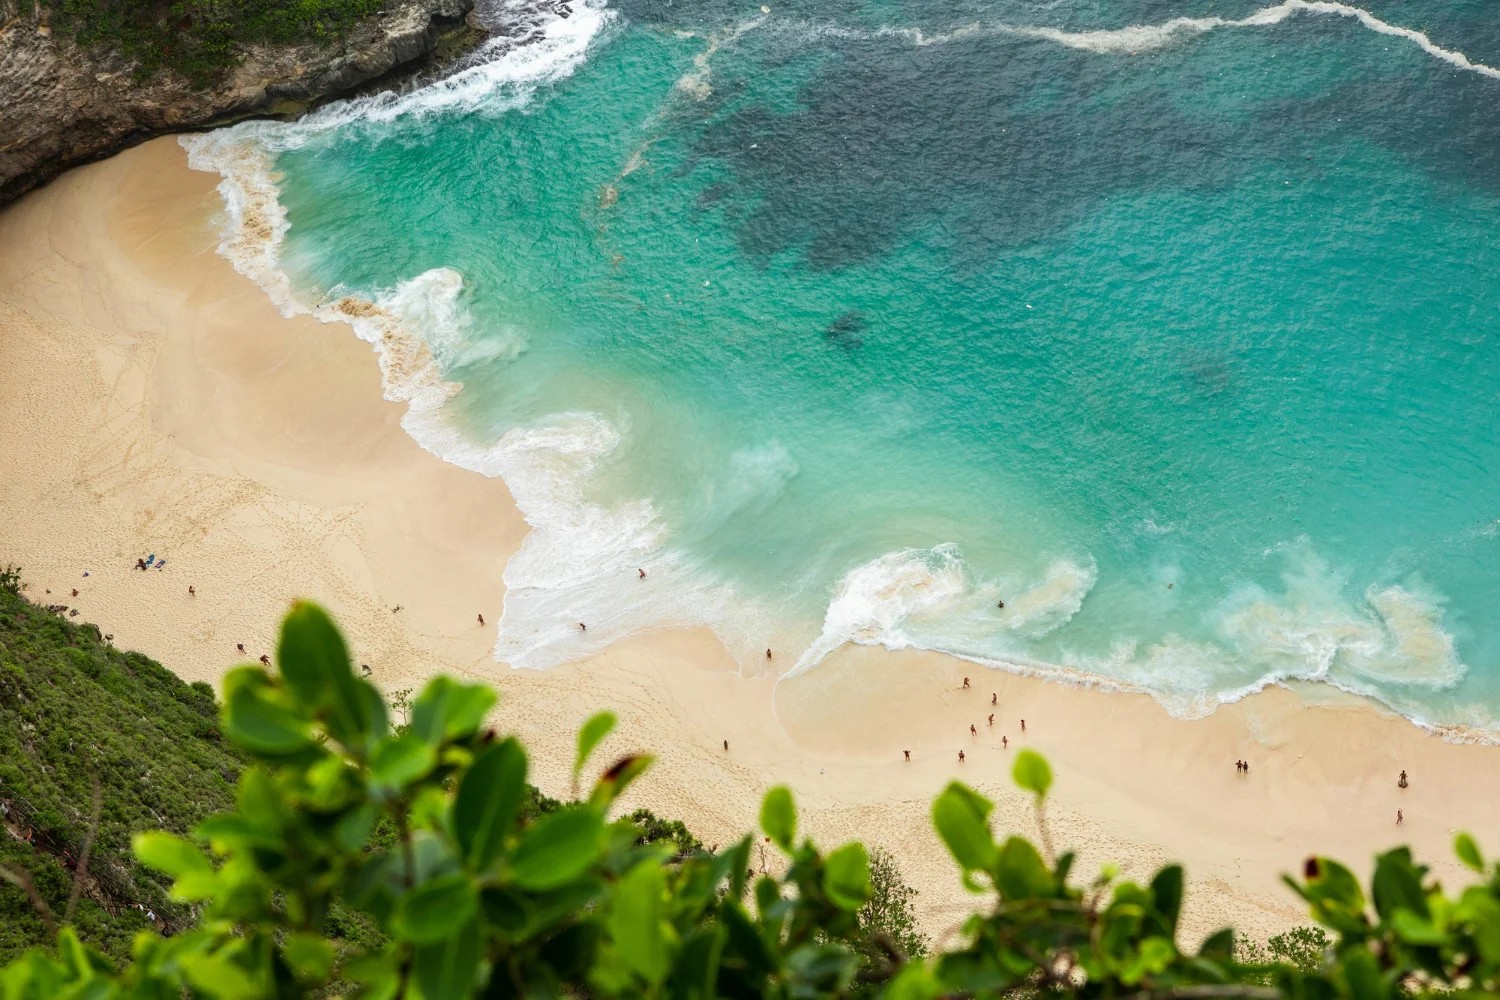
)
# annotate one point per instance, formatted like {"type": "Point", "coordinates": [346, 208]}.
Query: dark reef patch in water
{"type": "Point", "coordinates": [992, 142]}
{"type": "Point", "coordinates": [845, 331]}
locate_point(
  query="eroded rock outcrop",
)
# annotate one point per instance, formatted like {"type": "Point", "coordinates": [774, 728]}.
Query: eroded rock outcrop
{"type": "Point", "coordinates": [61, 105]}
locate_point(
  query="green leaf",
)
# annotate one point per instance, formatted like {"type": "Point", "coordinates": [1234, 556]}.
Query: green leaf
{"type": "Point", "coordinates": [1153, 957]}
{"type": "Point", "coordinates": [399, 762]}
{"type": "Point", "coordinates": [489, 800]}
{"type": "Point", "coordinates": [1397, 884]}
{"type": "Point", "coordinates": [1362, 975]}
{"type": "Point", "coordinates": [216, 976]}
{"type": "Point", "coordinates": [309, 956]}
{"type": "Point", "coordinates": [635, 922]}
{"type": "Point", "coordinates": [915, 981]}
{"type": "Point", "coordinates": [778, 816]}
{"type": "Point", "coordinates": [1468, 852]}
{"type": "Point", "coordinates": [961, 816]}
{"type": "Point", "coordinates": [448, 710]}
{"type": "Point", "coordinates": [558, 849]}
{"type": "Point", "coordinates": [1334, 894]}
{"type": "Point", "coordinates": [194, 875]}
{"type": "Point", "coordinates": [448, 969]}
{"type": "Point", "coordinates": [612, 783]}
{"type": "Point", "coordinates": [434, 910]}
{"type": "Point", "coordinates": [589, 737]}
{"type": "Point", "coordinates": [314, 664]}
{"type": "Point", "coordinates": [1416, 930]}
{"type": "Point", "coordinates": [846, 876]}
{"type": "Point", "coordinates": [167, 852]}
{"type": "Point", "coordinates": [1166, 894]}
{"type": "Point", "coordinates": [312, 657]}
{"type": "Point", "coordinates": [1021, 873]}
{"type": "Point", "coordinates": [255, 720]}
{"type": "Point", "coordinates": [1032, 772]}
{"type": "Point", "coordinates": [1218, 946]}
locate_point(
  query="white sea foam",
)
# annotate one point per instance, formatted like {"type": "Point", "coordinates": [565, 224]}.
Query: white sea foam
{"type": "Point", "coordinates": [1145, 37]}
{"type": "Point", "coordinates": [926, 599]}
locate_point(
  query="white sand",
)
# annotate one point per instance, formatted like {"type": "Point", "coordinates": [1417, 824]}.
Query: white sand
{"type": "Point", "coordinates": [152, 400]}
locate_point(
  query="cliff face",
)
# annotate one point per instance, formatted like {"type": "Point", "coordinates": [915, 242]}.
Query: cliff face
{"type": "Point", "coordinates": [61, 106]}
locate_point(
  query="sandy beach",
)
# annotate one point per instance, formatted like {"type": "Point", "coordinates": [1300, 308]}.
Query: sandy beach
{"type": "Point", "coordinates": [154, 402]}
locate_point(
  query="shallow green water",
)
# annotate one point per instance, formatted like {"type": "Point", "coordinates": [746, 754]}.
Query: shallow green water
{"type": "Point", "coordinates": [852, 321]}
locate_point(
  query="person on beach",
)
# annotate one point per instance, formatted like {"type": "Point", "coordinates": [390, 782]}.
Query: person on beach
{"type": "Point", "coordinates": [768, 652]}
{"type": "Point", "coordinates": [1005, 742]}
{"type": "Point", "coordinates": [1023, 725]}
{"type": "Point", "coordinates": [75, 591]}
{"type": "Point", "coordinates": [642, 572]}
{"type": "Point", "coordinates": [265, 659]}
{"type": "Point", "coordinates": [908, 754]}
{"type": "Point", "coordinates": [365, 669]}
{"type": "Point", "coordinates": [999, 604]}
{"type": "Point", "coordinates": [1399, 817]}
{"type": "Point", "coordinates": [992, 718]}
{"type": "Point", "coordinates": [582, 627]}
{"type": "Point", "coordinates": [1247, 767]}
{"type": "Point", "coordinates": [481, 619]}
{"type": "Point", "coordinates": [726, 744]}
{"type": "Point", "coordinates": [966, 684]}
{"type": "Point", "coordinates": [1401, 782]}
{"type": "Point", "coordinates": [240, 646]}
{"type": "Point", "coordinates": [972, 730]}
{"type": "Point", "coordinates": [960, 756]}
{"type": "Point", "coordinates": [995, 699]}
{"type": "Point", "coordinates": [191, 591]}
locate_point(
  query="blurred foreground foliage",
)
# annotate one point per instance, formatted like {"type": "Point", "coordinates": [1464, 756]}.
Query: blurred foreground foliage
{"type": "Point", "coordinates": [423, 832]}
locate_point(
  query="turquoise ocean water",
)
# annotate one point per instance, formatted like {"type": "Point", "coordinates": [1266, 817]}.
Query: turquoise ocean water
{"type": "Point", "coordinates": [1172, 325]}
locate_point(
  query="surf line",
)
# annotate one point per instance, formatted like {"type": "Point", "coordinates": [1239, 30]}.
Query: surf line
{"type": "Point", "coordinates": [1136, 38]}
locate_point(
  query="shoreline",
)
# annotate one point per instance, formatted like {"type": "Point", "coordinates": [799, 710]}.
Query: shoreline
{"type": "Point", "coordinates": [156, 402]}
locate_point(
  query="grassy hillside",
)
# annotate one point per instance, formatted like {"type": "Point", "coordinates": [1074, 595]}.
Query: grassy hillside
{"type": "Point", "coordinates": [73, 708]}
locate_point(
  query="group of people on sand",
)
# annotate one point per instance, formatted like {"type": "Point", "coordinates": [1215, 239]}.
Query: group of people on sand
{"type": "Point", "coordinates": [150, 562]}
{"type": "Point", "coordinates": [973, 729]}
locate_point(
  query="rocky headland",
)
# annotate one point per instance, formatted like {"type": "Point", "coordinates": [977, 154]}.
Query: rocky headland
{"type": "Point", "coordinates": [62, 105]}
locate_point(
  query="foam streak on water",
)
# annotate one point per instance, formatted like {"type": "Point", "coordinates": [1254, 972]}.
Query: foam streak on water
{"type": "Point", "coordinates": [1138, 38]}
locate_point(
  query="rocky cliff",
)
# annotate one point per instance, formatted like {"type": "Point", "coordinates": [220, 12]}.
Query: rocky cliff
{"type": "Point", "coordinates": [61, 106]}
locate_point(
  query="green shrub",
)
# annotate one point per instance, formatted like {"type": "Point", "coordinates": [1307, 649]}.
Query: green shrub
{"type": "Point", "coordinates": [74, 709]}
{"type": "Point", "coordinates": [201, 39]}
{"type": "Point", "coordinates": [358, 860]}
